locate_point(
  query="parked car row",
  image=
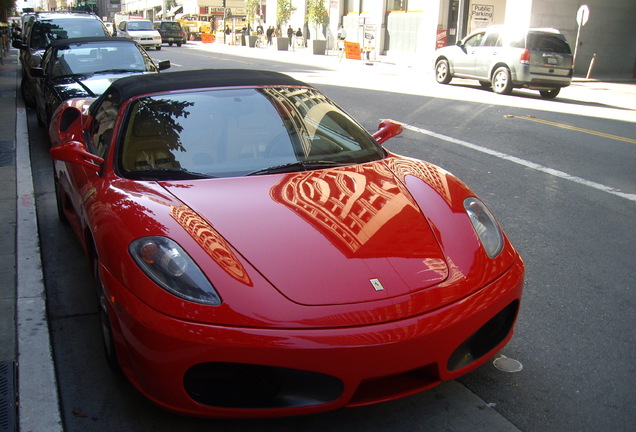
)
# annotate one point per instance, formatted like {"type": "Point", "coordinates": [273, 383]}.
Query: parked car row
{"type": "Point", "coordinates": [256, 252]}
{"type": "Point", "coordinates": [72, 54]}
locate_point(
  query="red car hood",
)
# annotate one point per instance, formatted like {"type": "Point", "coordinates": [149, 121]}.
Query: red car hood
{"type": "Point", "coordinates": [326, 237]}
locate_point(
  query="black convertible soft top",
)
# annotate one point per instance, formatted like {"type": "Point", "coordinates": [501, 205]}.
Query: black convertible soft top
{"type": "Point", "coordinates": [198, 79]}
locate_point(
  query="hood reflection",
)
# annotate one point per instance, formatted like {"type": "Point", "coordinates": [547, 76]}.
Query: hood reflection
{"type": "Point", "coordinates": [361, 209]}
{"type": "Point", "coordinates": [211, 242]}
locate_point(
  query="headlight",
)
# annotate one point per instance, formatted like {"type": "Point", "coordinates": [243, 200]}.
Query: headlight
{"type": "Point", "coordinates": [485, 226]}
{"type": "Point", "coordinates": [172, 269]}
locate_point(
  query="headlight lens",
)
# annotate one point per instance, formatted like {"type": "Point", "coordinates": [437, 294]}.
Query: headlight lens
{"type": "Point", "coordinates": [485, 226]}
{"type": "Point", "coordinates": [172, 269]}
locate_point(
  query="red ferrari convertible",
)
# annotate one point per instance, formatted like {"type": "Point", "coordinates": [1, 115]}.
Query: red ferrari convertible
{"type": "Point", "coordinates": [258, 253]}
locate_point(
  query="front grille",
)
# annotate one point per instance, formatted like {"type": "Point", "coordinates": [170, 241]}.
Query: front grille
{"type": "Point", "coordinates": [485, 339]}
{"type": "Point", "coordinates": [399, 385]}
{"type": "Point", "coordinates": [248, 386]}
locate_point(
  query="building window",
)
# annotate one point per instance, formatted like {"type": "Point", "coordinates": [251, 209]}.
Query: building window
{"type": "Point", "coordinates": [397, 5]}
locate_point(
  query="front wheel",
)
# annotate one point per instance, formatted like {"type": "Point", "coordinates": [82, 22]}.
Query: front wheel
{"type": "Point", "coordinates": [59, 200]}
{"type": "Point", "coordinates": [104, 318]}
{"type": "Point", "coordinates": [158, 48]}
{"type": "Point", "coordinates": [549, 94]}
{"type": "Point", "coordinates": [501, 81]}
{"type": "Point", "coordinates": [442, 72]}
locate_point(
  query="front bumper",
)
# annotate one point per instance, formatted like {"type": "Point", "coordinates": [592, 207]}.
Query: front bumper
{"type": "Point", "coordinates": [149, 42]}
{"type": "Point", "coordinates": [216, 371]}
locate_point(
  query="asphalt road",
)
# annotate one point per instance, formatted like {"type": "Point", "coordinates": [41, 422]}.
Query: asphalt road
{"type": "Point", "coordinates": [560, 177]}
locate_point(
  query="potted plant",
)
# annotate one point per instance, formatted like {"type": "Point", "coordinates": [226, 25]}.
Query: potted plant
{"type": "Point", "coordinates": [318, 16]}
{"type": "Point", "coordinates": [284, 10]}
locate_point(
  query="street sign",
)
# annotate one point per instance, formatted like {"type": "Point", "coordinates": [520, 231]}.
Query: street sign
{"type": "Point", "coordinates": [582, 15]}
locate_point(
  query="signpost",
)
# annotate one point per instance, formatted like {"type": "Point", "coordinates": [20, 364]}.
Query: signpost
{"type": "Point", "coordinates": [582, 15]}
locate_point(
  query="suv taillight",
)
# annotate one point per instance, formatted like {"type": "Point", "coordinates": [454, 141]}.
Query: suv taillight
{"type": "Point", "coordinates": [525, 57]}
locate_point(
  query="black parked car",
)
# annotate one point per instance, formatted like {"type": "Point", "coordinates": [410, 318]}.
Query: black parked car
{"type": "Point", "coordinates": [171, 32]}
{"type": "Point", "coordinates": [85, 67]}
{"type": "Point", "coordinates": [40, 30]}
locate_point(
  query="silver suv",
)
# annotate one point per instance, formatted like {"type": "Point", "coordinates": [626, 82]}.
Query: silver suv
{"type": "Point", "coordinates": [538, 59]}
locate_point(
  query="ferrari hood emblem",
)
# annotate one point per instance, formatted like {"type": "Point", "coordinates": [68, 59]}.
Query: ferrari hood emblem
{"type": "Point", "coordinates": [377, 285]}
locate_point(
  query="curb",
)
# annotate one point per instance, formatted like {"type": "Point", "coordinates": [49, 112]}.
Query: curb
{"type": "Point", "coordinates": [39, 407]}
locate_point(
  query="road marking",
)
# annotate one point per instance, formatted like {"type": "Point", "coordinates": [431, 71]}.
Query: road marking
{"type": "Point", "coordinates": [574, 128]}
{"type": "Point", "coordinates": [523, 162]}
{"type": "Point", "coordinates": [222, 58]}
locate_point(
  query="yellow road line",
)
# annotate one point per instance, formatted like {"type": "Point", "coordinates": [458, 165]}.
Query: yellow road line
{"type": "Point", "coordinates": [574, 128]}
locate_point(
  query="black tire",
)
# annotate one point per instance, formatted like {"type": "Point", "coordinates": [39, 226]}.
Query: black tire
{"type": "Point", "coordinates": [60, 203]}
{"type": "Point", "coordinates": [104, 319]}
{"type": "Point", "coordinates": [41, 121]}
{"type": "Point", "coordinates": [159, 48]}
{"type": "Point", "coordinates": [26, 88]}
{"type": "Point", "coordinates": [442, 72]}
{"type": "Point", "coordinates": [178, 44]}
{"type": "Point", "coordinates": [169, 43]}
{"type": "Point", "coordinates": [550, 94]}
{"type": "Point", "coordinates": [501, 81]}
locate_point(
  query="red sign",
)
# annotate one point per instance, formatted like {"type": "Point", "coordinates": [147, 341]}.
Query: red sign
{"type": "Point", "coordinates": [440, 40]}
{"type": "Point", "coordinates": [352, 50]}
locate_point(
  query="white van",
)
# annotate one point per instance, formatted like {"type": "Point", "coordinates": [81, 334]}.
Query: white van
{"type": "Point", "coordinates": [141, 31]}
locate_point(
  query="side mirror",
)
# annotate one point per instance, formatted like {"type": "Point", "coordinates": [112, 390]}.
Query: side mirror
{"type": "Point", "coordinates": [387, 130]}
{"type": "Point", "coordinates": [18, 44]}
{"type": "Point", "coordinates": [163, 64]}
{"type": "Point", "coordinates": [75, 152]}
{"type": "Point", "coordinates": [37, 72]}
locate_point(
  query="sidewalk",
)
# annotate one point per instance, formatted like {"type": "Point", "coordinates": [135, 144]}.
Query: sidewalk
{"type": "Point", "coordinates": [27, 372]}
{"type": "Point", "coordinates": [8, 350]}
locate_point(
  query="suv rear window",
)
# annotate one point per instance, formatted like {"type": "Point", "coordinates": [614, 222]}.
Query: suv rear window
{"type": "Point", "coordinates": [170, 26]}
{"type": "Point", "coordinates": [547, 43]}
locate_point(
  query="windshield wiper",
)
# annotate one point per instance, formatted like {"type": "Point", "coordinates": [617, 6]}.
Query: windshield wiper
{"type": "Point", "coordinates": [117, 71]}
{"type": "Point", "coordinates": [167, 174]}
{"type": "Point", "coordinates": [298, 165]}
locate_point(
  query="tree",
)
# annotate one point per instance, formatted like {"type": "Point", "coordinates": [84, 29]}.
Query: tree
{"type": "Point", "coordinates": [250, 10]}
{"type": "Point", "coordinates": [317, 14]}
{"type": "Point", "coordinates": [283, 12]}
{"type": "Point", "coordinates": [6, 9]}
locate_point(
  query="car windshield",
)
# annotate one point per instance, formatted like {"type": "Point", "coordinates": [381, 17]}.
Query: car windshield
{"type": "Point", "coordinates": [139, 25]}
{"type": "Point", "coordinates": [237, 132]}
{"type": "Point", "coordinates": [90, 58]}
{"type": "Point", "coordinates": [45, 32]}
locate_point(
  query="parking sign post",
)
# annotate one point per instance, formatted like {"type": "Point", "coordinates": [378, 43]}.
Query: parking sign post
{"type": "Point", "coordinates": [582, 15]}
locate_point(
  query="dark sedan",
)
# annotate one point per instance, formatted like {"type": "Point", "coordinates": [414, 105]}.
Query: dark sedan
{"type": "Point", "coordinates": [85, 67]}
